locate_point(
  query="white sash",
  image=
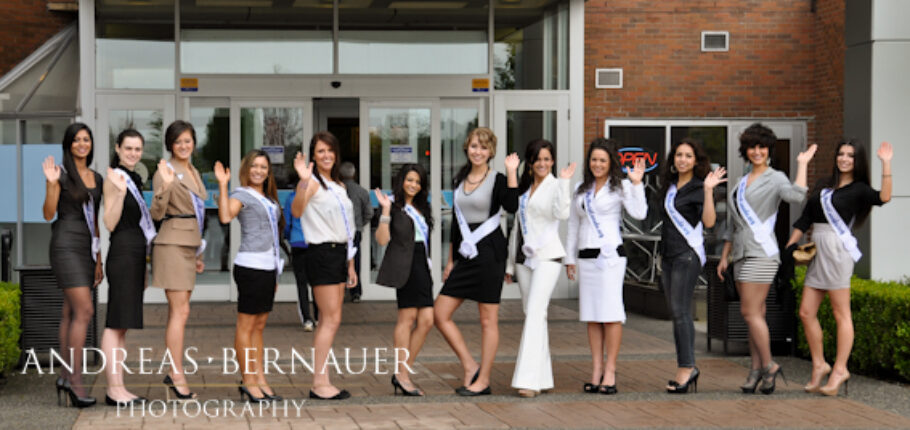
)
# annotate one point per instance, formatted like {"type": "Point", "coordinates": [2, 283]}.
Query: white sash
{"type": "Point", "coordinates": [420, 223]}
{"type": "Point", "coordinates": [88, 211]}
{"type": "Point", "coordinates": [469, 239]}
{"type": "Point", "coordinates": [352, 250]}
{"type": "Point", "coordinates": [198, 209]}
{"type": "Point", "coordinates": [530, 247]}
{"type": "Point", "coordinates": [840, 227]}
{"type": "Point", "coordinates": [694, 235]}
{"type": "Point", "coordinates": [148, 227]}
{"type": "Point", "coordinates": [271, 209]}
{"type": "Point", "coordinates": [762, 231]}
{"type": "Point", "coordinates": [608, 255]}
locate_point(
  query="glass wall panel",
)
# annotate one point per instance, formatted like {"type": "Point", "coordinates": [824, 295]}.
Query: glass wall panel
{"type": "Point", "coordinates": [531, 45]}
{"type": "Point", "coordinates": [287, 37]}
{"type": "Point", "coordinates": [134, 44]}
{"type": "Point", "coordinates": [455, 125]}
{"type": "Point", "coordinates": [151, 124]}
{"type": "Point", "coordinates": [413, 37]}
{"type": "Point", "coordinates": [522, 127]}
{"type": "Point", "coordinates": [212, 126]}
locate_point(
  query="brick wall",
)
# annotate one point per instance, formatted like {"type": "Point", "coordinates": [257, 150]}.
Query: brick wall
{"type": "Point", "coordinates": [784, 61]}
{"type": "Point", "coordinates": [24, 26]}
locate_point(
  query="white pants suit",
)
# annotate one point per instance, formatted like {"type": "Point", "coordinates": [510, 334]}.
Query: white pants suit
{"type": "Point", "coordinates": [533, 369]}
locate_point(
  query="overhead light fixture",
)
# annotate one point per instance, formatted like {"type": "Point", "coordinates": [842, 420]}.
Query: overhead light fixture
{"type": "Point", "coordinates": [234, 3]}
{"type": "Point", "coordinates": [427, 5]}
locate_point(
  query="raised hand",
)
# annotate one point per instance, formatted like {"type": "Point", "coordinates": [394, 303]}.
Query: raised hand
{"type": "Point", "coordinates": [715, 178]}
{"type": "Point", "coordinates": [166, 172]}
{"type": "Point", "coordinates": [382, 198]}
{"type": "Point", "coordinates": [637, 173]}
{"type": "Point", "coordinates": [885, 152]}
{"type": "Point", "coordinates": [806, 156]}
{"type": "Point", "coordinates": [221, 174]}
{"type": "Point", "coordinates": [568, 171]}
{"type": "Point", "coordinates": [304, 169]}
{"type": "Point", "coordinates": [512, 162]}
{"type": "Point", "coordinates": [117, 179]}
{"type": "Point", "coordinates": [51, 169]}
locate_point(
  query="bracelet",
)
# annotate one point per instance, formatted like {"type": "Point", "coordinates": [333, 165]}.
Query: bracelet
{"type": "Point", "coordinates": [384, 219]}
{"type": "Point", "coordinates": [303, 183]}
{"type": "Point", "coordinates": [886, 176]}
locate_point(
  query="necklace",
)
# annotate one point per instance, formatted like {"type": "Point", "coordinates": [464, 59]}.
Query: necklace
{"type": "Point", "coordinates": [466, 179]}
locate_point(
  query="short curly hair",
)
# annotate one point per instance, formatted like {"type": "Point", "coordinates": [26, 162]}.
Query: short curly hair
{"type": "Point", "coordinates": [757, 135]}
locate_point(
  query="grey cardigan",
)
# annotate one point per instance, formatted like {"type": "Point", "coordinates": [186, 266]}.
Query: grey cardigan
{"type": "Point", "coordinates": [764, 194]}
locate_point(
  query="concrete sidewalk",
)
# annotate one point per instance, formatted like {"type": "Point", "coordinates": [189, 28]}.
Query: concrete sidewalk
{"type": "Point", "coordinates": [647, 360]}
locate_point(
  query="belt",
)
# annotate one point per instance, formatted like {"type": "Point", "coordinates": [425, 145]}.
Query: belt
{"type": "Point", "coordinates": [178, 216]}
{"type": "Point", "coordinates": [595, 252]}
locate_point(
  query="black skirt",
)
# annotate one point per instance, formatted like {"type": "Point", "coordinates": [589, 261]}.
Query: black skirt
{"type": "Point", "coordinates": [71, 254]}
{"type": "Point", "coordinates": [126, 276]}
{"type": "Point", "coordinates": [255, 288]}
{"type": "Point", "coordinates": [479, 279]}
{"type": "Point", "coordinates": [326, 264]}
{"type": "Point", "coordinates": [418, 291]}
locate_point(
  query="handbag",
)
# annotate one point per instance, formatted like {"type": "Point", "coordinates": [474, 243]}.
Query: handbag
{"type": "Point", "coordinates": [804, 253]}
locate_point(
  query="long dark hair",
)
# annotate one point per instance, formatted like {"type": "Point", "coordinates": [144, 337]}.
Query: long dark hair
{"type": "Point", "coordinates": [487, 139]}
{"type": "Point", "coordinates": [327, 138]}
{"type": "Point", "coordinates": [269, 187]}
{"type": "Point", "coordinates": [532, 152]}
{"type": "Point", "coordinates": [701, 168]}
{"type": "Point", "coordinates": [419, 201]}
{"type": "Point", "coordinates": [115, 159]}
{"type": "Point", "coordinates": [614, 176]}
{"type": "Point", "coordinates": [860, 174]}
{"type": "Point", "coordinates": [78, 189]}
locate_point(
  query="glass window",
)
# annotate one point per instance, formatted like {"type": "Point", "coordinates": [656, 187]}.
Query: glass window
{"type": "Point", "coordinates": [413, 38]}
{"type": "Point", "coordinates": [522, 127]}
{"type": "Point", "coordinates": [455, 125]}
{"type": "Point", "coordinates": [212, 126]}
{"type": "Point", "coordinates": [288, 38]}
{"type": "Point", "coordinates": [151, 124]}
{"type": "Point", "coordinates": [531, 45]}
{"type": "Point", "coordinates": [134, 44]}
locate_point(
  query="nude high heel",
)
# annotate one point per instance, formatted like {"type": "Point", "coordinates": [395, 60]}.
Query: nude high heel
{"type": "Point", "coordinates": [813, 388]}
{"type": "Point", "coordinates": [830, 390]}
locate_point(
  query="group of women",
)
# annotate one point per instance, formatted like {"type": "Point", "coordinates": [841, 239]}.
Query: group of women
{"type": "Point", "coordinates": [480, 257]}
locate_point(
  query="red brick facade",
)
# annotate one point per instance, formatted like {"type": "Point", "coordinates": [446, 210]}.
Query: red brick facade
{"type": "Point", "coordinates": [785, 61]}
{"type": "Point", "coordinates": [24, 26]}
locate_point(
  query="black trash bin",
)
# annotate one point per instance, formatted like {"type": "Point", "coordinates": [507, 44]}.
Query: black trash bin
{"type": "Point", "coordinates": [41, 305]}
{"type": "Point", "coordinates": [725, 322]}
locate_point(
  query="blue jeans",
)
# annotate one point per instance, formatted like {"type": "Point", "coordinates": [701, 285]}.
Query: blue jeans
{"type": "Point", "coordinates": [680, 273]}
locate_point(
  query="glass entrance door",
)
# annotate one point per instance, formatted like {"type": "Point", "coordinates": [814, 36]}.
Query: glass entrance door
{"type": "Point", "coordinates": [281, 128]}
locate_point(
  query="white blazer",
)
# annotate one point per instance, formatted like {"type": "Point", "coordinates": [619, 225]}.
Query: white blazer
{"type": "Point", "coordinates": [547, 205]}
{"type": "Point", "coordinates": [608, 205]}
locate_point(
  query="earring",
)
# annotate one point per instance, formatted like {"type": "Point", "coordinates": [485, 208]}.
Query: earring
{"type": "Point", "coordinates": [673, 169]}
{"type": "Point", "coordinates": [769, 161]}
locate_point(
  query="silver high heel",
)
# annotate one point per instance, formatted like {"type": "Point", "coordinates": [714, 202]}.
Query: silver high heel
{"type": "Point", "coordinates": [751, 381]}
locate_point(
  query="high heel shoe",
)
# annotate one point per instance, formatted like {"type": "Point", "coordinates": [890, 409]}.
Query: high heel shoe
{"type": "Point", "coordinates": [250, 397]}
{"type": "Point", "coordinates": [272, 397]}
{"type": "Point", "coordinates": [60, 390]}
{"type": "Point", "coordinates": [684, 388]}
{"type": "Point", "coordinates": [769, 378]}
{"type": "Point", "coordinates": [127, 403]}
{"type": "Point", "coordinates": [75, 400]}
{"type": "Point", "coordinates": [751, 381]}
{"type": "Point", "coordinates": [464, 391]}
{"type": "Point", "coordinates": [828, 390]}
{"type": "Point", "coordinates": [813, 388]}
{"type": "Point", "coordinates": [593, 388]}
{"type": "Point", "coordinates": [180, 396]}
{"type": "Point", "coordinates": [473, 379]}
{"type": "Point", "coordinates": [396, 385]}
{"type": "Point", "coordinates": [343, 394]}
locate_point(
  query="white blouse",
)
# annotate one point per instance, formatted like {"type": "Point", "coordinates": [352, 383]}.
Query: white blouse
{"type": "Point", "coordinates": [608, 205]}
{"type": "Point", "coordinates": [323, 220]}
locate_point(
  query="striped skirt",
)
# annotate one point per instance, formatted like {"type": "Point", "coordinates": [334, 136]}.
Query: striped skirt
{"type": "Point", "coordinates": [756, 270]}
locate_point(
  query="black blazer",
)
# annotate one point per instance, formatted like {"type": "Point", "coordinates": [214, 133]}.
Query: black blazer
{"type": "Point", "coordinates": [503, 198]}
{"type": "Point", "coordinates": [396, 264]}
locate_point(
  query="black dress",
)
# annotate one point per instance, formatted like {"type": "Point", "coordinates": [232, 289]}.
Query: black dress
{"type": "Point", "coordinates": [71, 240]}
{"type": "Point", "coordinates": [126, 266]}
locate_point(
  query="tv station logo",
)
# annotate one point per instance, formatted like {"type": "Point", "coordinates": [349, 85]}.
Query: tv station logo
{"type": "Point", "coordinates": [627, 157]}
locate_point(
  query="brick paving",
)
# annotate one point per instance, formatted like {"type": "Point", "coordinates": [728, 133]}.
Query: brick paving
{"type": "Point", "coordinates": [646, 361]}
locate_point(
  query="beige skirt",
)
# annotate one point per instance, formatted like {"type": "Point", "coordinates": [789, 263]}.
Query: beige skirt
{"type": "Point", "coordinates": [832, 266]}
{"type": "Point", "coordinates": [174, 267]}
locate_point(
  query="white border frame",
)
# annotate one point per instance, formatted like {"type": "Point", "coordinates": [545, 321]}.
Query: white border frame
{"type": "Point", "coordinates": [726, 35]}
{"type": "Point", "coordinates": [597, 83]}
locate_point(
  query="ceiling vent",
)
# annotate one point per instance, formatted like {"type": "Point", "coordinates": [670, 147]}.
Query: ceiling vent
{"type": "Point", "coordinates": [608, 78]}
{"type": "Point", "coordinates": [715, 41]}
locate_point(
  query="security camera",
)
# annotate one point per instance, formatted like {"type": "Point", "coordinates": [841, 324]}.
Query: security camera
{"type": "Point", "coordinates": [336, 84]}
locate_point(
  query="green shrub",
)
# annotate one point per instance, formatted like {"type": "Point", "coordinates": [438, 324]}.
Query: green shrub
{"type": "Point", "coordinates": [881, 322]}
{"type": "Point", "coordinates": [9, 326]}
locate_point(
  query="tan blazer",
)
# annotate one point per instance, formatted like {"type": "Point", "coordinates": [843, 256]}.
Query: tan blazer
{"type": "Point", "coordinates": [175, 199]}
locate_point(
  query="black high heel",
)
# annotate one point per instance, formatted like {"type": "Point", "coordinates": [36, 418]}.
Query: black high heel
{"type": "Point", "coordinates": [128, 403]}
{"type": "Point", "coordinates": [343, 394]}
{"type": "Point", "coordinates": [464, 391]}
{"type": "Point", "coordinates": [593, 388]}
{"type": "Point", "coordinates": [766, 386]}
{"type": "Point", "coordinates": [272, 397]}
{"type": "Point", "coordinates": [473, 379]}
{"type": "Point", "coordinates": [252, 399]}
{"type": "Point", "coordinates": [170, 384]}
{"type": "Point", "coordinates": [396, 385]}
{"type": "Point", "coordinates": [75, 400]}
{"type": "Point", "coordinates": [60, 390]}
{"type": "Point", "coordinates": [684, 388]}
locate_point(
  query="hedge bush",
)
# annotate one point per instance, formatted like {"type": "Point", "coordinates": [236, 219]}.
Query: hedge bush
{"type": "Point", "coordinates": [9, 326]}
{"type": "Point", "coordinates": [881, 322]}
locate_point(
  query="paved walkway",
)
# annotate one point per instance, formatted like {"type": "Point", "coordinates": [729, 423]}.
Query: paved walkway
{"type": "Point", "coordinates": [646, 361]}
